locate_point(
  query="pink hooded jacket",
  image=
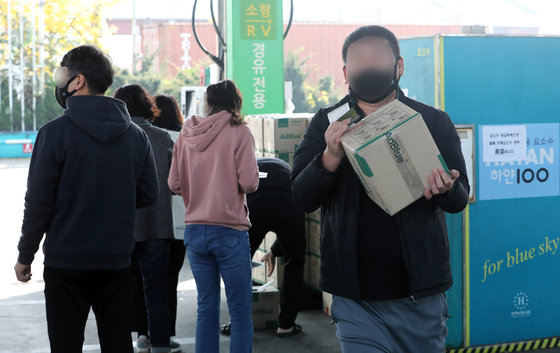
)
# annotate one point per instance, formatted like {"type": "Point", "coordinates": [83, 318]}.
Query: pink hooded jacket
{"type": "Point", "coordinates": [213, 167]}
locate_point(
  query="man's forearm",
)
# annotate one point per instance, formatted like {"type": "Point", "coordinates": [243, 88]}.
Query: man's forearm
{"type": "Point", "coordinates": [37, 216]}
{"type": "Point", "coordinates": [454, 200]}
{"type": "Point", "coordinates": [28, 246]}
{"type": "Point", "coordinates": [313, 185]}
{"type": "Point", "coordinates": [330, 161]}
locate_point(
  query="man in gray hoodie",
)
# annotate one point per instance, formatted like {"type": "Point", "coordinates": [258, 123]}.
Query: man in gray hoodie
{"type": "Point", "coordinates": [90, 169]}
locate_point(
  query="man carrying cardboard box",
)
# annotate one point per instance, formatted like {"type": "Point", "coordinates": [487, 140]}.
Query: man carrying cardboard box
{"type": "Point", "coordinates": [388, 274]}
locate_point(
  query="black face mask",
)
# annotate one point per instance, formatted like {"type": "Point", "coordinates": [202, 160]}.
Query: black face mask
{"type": "Point", "coordinates": [62, 94]}
{"type": "Point", "coordinates": [373, 85]}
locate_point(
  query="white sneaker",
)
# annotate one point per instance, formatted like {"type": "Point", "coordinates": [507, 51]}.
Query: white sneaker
{"type": "Point", "coordinates": [143, 345]}
{"type": "Point", "coordinates": [175, 347]}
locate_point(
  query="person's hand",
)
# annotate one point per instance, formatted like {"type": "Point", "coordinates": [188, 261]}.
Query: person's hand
{"type": "Point", "coordinates": [23, 272]}
{"type": "Point", "coordinates": [270, 261]}
{"type": "Point", "coordinates": [440, 182]}
{"type": "Point", "coordinates": [334, 153]}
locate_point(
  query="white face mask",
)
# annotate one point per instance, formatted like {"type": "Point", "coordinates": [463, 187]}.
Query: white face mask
{"type": "Point", "coordinates": [62, 81]}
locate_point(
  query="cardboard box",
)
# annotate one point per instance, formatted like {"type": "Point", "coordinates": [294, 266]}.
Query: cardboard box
{"type": "Point", "coordinates": [306, 280]}
{"type": "Point", "coordinates": [393, 153]}
{"type": "Point", "coordinates": [313, 257]}
{"type": "Point", "coordinates": [313, 224]}
{"type": "Point", "coordinates": [314, 237]}
{"type": "Point", "coordinates": [266, 306]}
{"type": "Point", "coordinates": [255, 124]}
{"type": "Point", "coordinates": [327, 303]}
{"type": "Point", "coordinates": [286, 157]}
{"type": "Point", "coordinates": [315, 215]}
{"type": "Point", "coordinates": [283, 133]}
{"type": "Point", "coordinates": [313, 262]}
{"type": "Point", "coordinates": [307, 116]}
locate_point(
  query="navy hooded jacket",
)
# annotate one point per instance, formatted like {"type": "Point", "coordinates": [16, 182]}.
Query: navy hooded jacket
{"type": "Point", "coordinates": [90, 169]}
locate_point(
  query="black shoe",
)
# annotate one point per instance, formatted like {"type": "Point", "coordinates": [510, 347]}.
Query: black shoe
{"type": "Point", "coordinates": [296, 330]}
{"type": "Point", "coordinates": [226, 329]}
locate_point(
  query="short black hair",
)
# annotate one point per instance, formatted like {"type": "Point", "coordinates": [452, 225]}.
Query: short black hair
{"type": "Point", "coordinates": [91, 62]}
{"type": "Point", "coordinates": [371, 31]}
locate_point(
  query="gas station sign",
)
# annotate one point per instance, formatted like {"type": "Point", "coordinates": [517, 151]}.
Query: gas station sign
{"type": "Point", "coordinates": [255, 55]}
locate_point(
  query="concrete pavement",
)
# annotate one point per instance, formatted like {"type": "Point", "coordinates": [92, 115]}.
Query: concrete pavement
{"type": "Point", "coordinates": [23, 326]}
{"type": "Point", "coordinates": [22, 313]}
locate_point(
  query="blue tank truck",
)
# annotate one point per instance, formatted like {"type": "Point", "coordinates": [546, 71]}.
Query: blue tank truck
{"type": "Point", "coordinates": [502, 92]}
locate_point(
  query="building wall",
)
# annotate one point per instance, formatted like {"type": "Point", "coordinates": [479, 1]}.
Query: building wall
{"type": "Point", "coordinates": [324, 43]}
{"type": "Point", "coordinates": [321, 42]}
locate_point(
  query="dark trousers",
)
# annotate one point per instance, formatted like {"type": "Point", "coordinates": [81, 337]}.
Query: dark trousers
{"type": "Point", "coordinates": [177, 252]}
{"type": "Point", "coordinates": [69, 295]}
{"type": "Point", "coordinates": [152, 259]}
{"type": "Point", "coordinates": [176, 259]}
{"type": "Point", "coordinates": [395, 325]}
{"type": "Point", "coordinates": [282, 217]}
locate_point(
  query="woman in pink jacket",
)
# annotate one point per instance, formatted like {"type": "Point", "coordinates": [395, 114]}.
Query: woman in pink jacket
{"type": "Point", "coordinates": [213, 167]}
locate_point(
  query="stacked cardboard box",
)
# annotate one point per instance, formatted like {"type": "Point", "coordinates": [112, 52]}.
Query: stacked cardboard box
{"type": "Point", "coordinates": [327, 303]}
{"type": "Point", "coordinates": [313, 254]}
{"type": "Point", "coordinates": [278, 135]}
{"type": "Point", "coordinates": [314, 232]}
{"type": "Point", "coordinates": [282, 134]}
{"type": "Point", "coordinates": [265, 307]}
{"type": "Point", "coordinates": [255, 124]}
{"type": "Point", "coordinates": [314, 265]}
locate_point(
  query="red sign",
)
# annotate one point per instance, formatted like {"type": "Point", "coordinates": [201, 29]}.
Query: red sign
{"type": "Point", "coordinates": [27, 148]}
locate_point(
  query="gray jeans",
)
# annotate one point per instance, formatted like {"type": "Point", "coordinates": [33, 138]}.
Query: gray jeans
{"type": "Point", "coordinates": [391, 326]}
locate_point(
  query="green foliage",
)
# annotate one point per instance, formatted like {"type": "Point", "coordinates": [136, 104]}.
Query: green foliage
{"type": "Point", "coordinates": [67, 24]}
{"type": "Point", "coordinates": [47, 107]}
{"type": "Point", "coordinates": [308, 97]}
{"type": "Point", "coordinates": [154, 80]}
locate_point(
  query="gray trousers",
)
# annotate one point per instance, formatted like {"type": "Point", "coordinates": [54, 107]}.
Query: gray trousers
{"type": "Point", "coordinates": [391, 326]}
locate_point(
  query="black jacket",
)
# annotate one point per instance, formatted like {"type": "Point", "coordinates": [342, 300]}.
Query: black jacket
{"type": "Point", "coordinates": [422, 224]}
{"type": "Point", "coordinates": [90, 169]}
{"type": "Point", "coordinates": [276, 184]}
